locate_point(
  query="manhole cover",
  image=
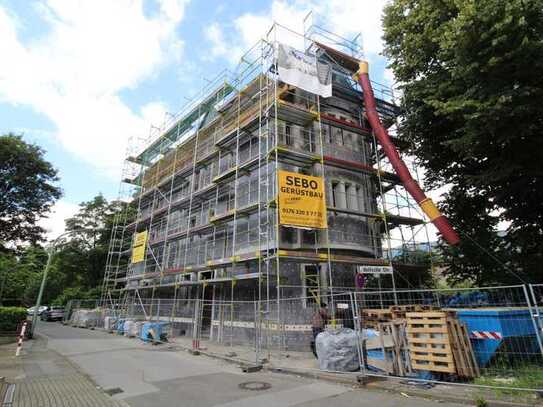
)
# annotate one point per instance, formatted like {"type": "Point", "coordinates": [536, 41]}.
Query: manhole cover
{"type": "Point", "coordinates": [255, 386]}
{"type": "Point", "coordinates": [114, 390]}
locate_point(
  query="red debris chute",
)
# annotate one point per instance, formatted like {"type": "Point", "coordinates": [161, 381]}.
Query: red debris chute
{"type": "Point", "coordinates": [426, 204]}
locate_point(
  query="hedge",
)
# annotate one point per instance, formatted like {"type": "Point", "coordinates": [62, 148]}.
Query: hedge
{"type": "Point", "coordinates": [10, 317]}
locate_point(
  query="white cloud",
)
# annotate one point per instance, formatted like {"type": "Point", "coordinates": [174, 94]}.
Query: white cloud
{"type": "Point", "coordinates": [232, 40]}
{"type": "Point", "coordinates": [154, 112]}
{"type": "Point", "coordinates": [74, 73]}
{"type": "Point", "coordinates": [388, 75]}
{"type": "Point", "coordinates": [349, 17]}
{"type": "Point", "coordinates": [346, 18]}
{"type": "Point", "coordinates": [54, 222]}
{"type": "Point", "coordinates": [215, 36]}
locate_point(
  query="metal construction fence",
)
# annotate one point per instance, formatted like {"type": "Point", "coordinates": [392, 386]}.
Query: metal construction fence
{"type": "Point", "coordinates": [477, 336]}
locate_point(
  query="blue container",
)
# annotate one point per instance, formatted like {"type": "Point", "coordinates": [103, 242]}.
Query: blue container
{"type": "Point", "coordinates": [119, 326]}
{"type": "Point", "coordinates": [157, 327]}
{"type": "Point", "coordinates": [513, 324]}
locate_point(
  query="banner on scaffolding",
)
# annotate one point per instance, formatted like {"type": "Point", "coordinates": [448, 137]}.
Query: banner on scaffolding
{"type": "Point", "coordinates": [138, 247]}
{"type": "Point", "coordinates": [301, 200]}
{"type": "Point", "coordinates": [304, 71]}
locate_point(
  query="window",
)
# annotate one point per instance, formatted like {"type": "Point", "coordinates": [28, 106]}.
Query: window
{"type": "Point", "coordinates": [334, 194]}
{"type": "Point", "coordinates": [288, 135]}
{"type": "Point", "coordinates": [347, 139]}
{"type": "Point", "coordinates": [289, 235]}
{"type": "Point", "coordinates": [309, 139]}
{"type": "Point", "coordinates": [325, 130]}
{"type": "Point", "coordinates": [348, 197]}
{"type": "Point", "coordinates": [337, 136]}
{"type": "Point", "coordinates": [361, 198]}
{"type": "Point", "coordinates": [309, 237]}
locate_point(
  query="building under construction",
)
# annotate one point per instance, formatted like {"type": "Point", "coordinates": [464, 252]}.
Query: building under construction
{"type": "Point", "coordinates": [219, 197]}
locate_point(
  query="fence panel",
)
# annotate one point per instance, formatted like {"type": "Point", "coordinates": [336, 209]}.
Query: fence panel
{"type": "Point", "coordinates": [481, 336]}
{"type": "Point", "coordinates": [477, 336]}
{"type": "Point", "coordinates": [229, 328]}
{"type": "Point", "coordinates": [536, 293]}
{"type": "Point", "coordinates": [291, 342]}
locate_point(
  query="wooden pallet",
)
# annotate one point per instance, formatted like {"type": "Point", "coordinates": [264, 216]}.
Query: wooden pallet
{"type": "Point", "coordinates": [466, 364]}
{"type": "Point", "coordinates": [399, 311]}
{"type": "Point", "coordinates": [401, 360]}
{"type": "Point", "coordinates": [372, 317]}
{"type": "Point", "coordinates": [429, 342]}
{"type": "Point", "coordinates": [439, 342]}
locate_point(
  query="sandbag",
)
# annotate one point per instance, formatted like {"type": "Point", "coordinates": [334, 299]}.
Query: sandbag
{"type": "Point", "coordinates": [337, 350]}
{"type": "Point", "coordinates": [87, 318]}
{"type": "Point", "coordinates": [109, 323]}
{"type": "Point", "coordinates": [128, 327]}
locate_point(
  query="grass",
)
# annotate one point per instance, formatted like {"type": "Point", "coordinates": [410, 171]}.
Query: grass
{"type": "Point", "coordinates": [524, 377]}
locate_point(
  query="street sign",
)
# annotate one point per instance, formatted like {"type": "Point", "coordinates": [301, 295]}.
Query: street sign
{"type": "Point", "coordinates": [375, 269]}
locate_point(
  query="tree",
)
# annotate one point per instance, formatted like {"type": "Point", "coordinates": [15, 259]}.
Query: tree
{"type": "Point", "coordinates": [82, 257]}
{"type": "Point", "coordinates": [27, 190]}
{"type": "Point", "coordinates": [470, 73]}
{"type": "Point", "coordinates": [88, 246]}
{"type": "Point", "coordinates": [78, 265]}
{"type": "Point", "coordinates": [18, 272]}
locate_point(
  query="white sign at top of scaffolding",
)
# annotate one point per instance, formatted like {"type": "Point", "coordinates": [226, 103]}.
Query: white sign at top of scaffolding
{"type": "Point", "coordinates": [304, 71]}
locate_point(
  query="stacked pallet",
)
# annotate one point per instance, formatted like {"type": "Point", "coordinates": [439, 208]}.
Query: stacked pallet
{"type": "Point", "coordinates": [372, 317]}
{"type": "Point", "coordinates": [429, 344]}
{"type": "Point", "coordinates": [438, 342]}
{"type": "Point", "coordinates": [399, 311]}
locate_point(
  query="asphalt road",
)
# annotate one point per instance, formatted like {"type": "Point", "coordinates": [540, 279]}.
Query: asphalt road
{"type": "Point", "coordinates": [147, 375]}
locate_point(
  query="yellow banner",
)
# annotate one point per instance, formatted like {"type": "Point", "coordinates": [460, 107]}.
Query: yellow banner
{"type": "Point", "coordinates": [301, 200]}
{"type": "Point", "coordinates": [138, 248]}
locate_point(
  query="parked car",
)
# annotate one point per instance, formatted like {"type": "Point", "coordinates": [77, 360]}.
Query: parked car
{"type": "Point", "coordinates": [30, 311]}
{"type": "Point", "coordinates": [54, 313]}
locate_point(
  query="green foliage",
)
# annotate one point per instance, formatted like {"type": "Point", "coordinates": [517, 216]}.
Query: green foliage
{"type": "Point", "coordinates": [21, 273]}
{"type": "Point", "coordinates": [84, 256]}
{"type": "Point", "coordinates": [77, 293]}
{"type": "Point", "coordinates": [76, 268]}
{"type": "Point", "coordinates": [470, 73]}
{"type": "Point", "coordinates": [27, 191]}
{"type": "Point", "coordinates": [10, 317]}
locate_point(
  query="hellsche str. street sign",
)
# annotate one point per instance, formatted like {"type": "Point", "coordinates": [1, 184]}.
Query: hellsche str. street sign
{"type": "Point", "coordinates": [375, 269]}
{"type": "Point", "coordinates": [301, 200]}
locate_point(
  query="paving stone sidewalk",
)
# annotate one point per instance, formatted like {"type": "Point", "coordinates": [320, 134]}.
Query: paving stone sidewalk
{"type": "Point", "coordinates": [44, 378]}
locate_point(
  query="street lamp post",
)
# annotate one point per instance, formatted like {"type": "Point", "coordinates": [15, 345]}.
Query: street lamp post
{"type": "Point", "coordinates": [42, 286]}
{"type": "Point", "coordinates": [50, 253]}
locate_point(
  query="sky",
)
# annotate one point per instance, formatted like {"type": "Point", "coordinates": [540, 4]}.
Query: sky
{"type": "Point", "coordinates": [81, 78]}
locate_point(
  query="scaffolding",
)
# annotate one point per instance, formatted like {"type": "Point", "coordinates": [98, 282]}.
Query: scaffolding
{"type": "Point", "coordinates": [204, 188]}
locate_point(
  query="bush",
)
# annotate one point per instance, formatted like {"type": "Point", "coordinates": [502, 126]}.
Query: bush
{"type": "Point", "coordinates": [77, 293]}
{"type": "Point", "coordinates": [10, 317]}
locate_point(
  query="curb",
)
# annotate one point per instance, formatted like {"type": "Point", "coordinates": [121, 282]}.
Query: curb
{"type": "Point", "coordinates": [372, 383]}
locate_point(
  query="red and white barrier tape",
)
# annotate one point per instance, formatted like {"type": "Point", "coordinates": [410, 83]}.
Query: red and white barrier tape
{"type": "Point", "coordinates": [20, 339]}
{"type": "Point", "coordinates": [486, 335]}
